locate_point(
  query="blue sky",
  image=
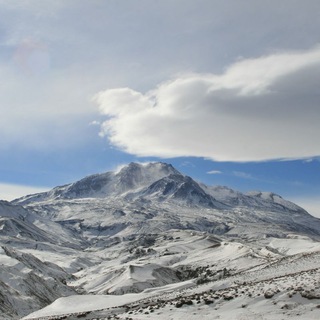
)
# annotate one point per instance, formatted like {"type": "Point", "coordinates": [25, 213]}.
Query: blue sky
{"type": "Point", "coordinates": [226, 91]}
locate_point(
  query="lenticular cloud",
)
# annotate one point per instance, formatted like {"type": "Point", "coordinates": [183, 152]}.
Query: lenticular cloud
{"type": "Point", "coordinates": [259, 109]}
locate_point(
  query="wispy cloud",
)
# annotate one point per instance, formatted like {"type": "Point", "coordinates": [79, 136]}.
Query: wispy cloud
{"type": "Point", "coordinates": [312, 160]}
{"type": "Point", "coordinates": [240, 115]}
{"type": "Point", "coordinates": [214, 172]}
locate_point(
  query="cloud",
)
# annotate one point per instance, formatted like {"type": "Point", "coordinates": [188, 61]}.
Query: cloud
{"type": "Point", "coordinates": [13, 191]}
{"type": "Point", "coordinates": [42, 108]}
{"type": "Point", "coordinates": [258, 109]}
{"type": "Point", "coordinates": [33, 6]}
{"type": "Point", "coordinates": [214, 172]}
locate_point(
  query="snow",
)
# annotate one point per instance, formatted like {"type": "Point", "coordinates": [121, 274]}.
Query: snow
{"type": "Point", "coordinates": [7, 261]}
{"type": "Point", "coordinates": [294, 245]}
{"type": "Point", "coordinates": [83, 303]}
{"type": "Point", "coordinates": [75, 304]}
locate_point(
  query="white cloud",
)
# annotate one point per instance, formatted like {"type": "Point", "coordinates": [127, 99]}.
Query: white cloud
{"type": "Point", "coordinates": [258, 109]}
{"type": "Point", "coordinates": [214, 172]}
{"type": "Point", "coordinates": [13, 191]}
{"type": "Point", "coordinates": [45, 110]}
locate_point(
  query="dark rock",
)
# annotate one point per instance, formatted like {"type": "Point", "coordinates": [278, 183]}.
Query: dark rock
{"type": "Point", "coordinates": [228, 297]}
{"type": "Point", "coordinates": [268, 294]}
{"type": "Point", "coordinates": [179, 304]}
{"type": "Point", "coordinates": [208, 301]}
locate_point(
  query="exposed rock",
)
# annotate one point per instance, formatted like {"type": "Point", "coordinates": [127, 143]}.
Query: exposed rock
{"type": "Point", "coordinates": [269, 294]}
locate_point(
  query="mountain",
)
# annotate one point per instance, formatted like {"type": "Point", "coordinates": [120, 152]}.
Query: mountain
{"type": "Point", "coordinates": [159, 181]}
{"type": "Point", "coordinates": [144, 197]}
{"type": "Point", "coordinates": [252, 199]}
{"type": "Point", "coordinates": [144, 231]}
{"type": "Point", "coordinates": [131, 177]}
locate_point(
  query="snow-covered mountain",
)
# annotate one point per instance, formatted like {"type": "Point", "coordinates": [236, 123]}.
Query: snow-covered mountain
{"type": "Point", "coordinates": [145, 229]}
{"type": "Point", "coordinates": [141, 198]}
{"type": "Point", "coordinates": [110, 184]}
{"type": "Point", "coordinates": [159, 181]}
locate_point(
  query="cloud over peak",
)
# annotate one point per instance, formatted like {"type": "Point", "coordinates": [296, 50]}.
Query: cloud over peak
{"type": "Point", "coordinates": [258, 109]}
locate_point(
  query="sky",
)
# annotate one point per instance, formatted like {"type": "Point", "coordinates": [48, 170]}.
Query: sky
{"type": "Point", "coordinates": [226, 91]}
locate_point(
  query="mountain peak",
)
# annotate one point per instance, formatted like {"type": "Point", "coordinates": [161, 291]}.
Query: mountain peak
{"type": "Point", "coordinates": [128, 178]}
{"type": "Point", "coordinates": [138, 175]}
{"type": "Point", "coordinates": [147, 167]}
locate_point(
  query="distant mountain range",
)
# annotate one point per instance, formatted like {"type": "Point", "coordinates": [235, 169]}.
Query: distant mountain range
{"type": "Point", "coordinates": [98, 234]}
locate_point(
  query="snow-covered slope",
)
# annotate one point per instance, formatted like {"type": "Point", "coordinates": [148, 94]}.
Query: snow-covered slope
{"type": "Point", "coordinates": [142, 232]}
{"type": "Point", "coordinates": [253, 199]}
{"type": "Point", "coordinates": [180, 188]}
{"type": "Point", "coordinates": [276, 288]}
{"type": "Point", "coordinates": [27, 283]}
{"type": "Point", "coordinates": [25, 226]}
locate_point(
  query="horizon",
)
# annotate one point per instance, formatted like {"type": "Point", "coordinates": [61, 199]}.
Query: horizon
{"type": "Point", "coordinates": [225, 92]}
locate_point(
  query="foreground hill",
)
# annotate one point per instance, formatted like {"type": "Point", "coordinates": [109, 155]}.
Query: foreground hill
{"type": "Point", "coordinates": [149, 232]}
